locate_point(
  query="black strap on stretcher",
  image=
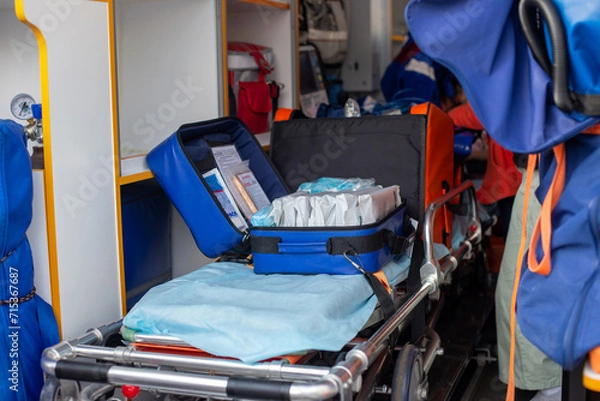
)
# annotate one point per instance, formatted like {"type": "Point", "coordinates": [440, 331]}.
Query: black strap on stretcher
{"type": "Point", "coordinates": [413, 284]}
{"type": "Point", "coordinates": [385, 300]}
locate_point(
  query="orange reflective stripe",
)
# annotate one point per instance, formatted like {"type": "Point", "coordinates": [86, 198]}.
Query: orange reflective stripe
{"type": "Point", "coordinates": [383, 279]}
{"type": "Point", "coordinates": [595, 359]}
{"type": "Point", "coordinates": [283, 114]}
{"type": "Point", "coordinates": [510, 392]}
{"type": "Point", "coordinates": [543, 226]}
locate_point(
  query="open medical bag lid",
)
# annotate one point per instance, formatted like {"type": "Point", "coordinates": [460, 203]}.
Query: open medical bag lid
{"type": "Point", "coordinates": [178, 164]}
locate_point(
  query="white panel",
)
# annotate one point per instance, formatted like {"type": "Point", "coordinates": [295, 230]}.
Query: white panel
{"type": "Point", "coordinates": [167, 64]}
{"type": "Point", "coordinates": [357, 70]}
{"type": "Point", "coordinates": [39, 239]}
{"type": "Point", "coordinates": [80, 117]}
{"type": "Point", "coordinates": [273, 28]}
{"type": "Point", "coordinates": [19, 63]}
{"type": "Point", "coordinates": [368, 45]}
{"type": "Point", "coordinates": [186, 255]}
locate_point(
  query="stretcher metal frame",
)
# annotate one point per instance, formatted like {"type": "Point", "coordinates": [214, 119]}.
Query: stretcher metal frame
{"type": "Point", "coordinates": [78, 359]}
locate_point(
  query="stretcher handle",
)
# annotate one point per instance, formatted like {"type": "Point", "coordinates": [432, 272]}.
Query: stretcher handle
{"type": "Point", "coordinates": [474, 225]}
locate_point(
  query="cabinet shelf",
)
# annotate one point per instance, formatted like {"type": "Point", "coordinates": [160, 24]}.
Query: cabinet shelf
{"type": "Point", "coordinates": [254, 5]}
{"type": "Point", "coordinates": [133, 169]}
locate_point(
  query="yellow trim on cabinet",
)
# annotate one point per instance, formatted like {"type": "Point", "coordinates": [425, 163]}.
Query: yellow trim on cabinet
{"type": "Point", "coordinates": [129, 179]}
{"type": "Point", "coordinates": [398, 38]}
{"type": "Point", "coordinates": [48, 170]}
{"type": "Point", "coordinates": [268, 3]}
{"type": "Point", "coordinates": [116, 149]}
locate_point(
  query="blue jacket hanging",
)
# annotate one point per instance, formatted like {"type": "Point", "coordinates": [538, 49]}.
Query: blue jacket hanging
{"type": "Point", "coordinates": [483, 45]}
{"type": "Point", "coordinates": [27, 323]}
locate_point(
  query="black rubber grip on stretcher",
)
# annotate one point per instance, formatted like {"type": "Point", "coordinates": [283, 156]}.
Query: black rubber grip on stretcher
{"type": "Point", "coordinates": [242, 387]}
{"type": "Point", "coordinates": [91, 372]}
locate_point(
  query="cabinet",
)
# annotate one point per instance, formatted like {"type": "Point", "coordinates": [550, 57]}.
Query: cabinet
{"type": "Point", "coordinates": [177, 74]}
{"type": "Point", "coordinates": [115, 78]}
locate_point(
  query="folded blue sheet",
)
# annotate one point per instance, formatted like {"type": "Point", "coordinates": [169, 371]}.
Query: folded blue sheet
{"type": "Point", "coordinates": [228, 310]}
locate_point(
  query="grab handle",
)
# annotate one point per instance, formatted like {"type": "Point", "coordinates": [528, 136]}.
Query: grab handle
{"type": "Point", "coordinates": [302, 247]}
{"type": "Point", "coordinates": [532, 13]}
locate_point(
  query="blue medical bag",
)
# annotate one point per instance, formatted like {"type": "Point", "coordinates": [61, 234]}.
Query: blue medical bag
{"type": "Point", "coordinates": [178, 164]}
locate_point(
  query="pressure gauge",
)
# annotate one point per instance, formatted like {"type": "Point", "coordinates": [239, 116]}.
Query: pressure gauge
{"type": "Point", "coordinates": [20, 106]}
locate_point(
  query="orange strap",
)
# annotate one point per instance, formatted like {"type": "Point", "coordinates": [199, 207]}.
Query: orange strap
{"type": "Point", "coordinates": [510, 393]}
{"type": "Point", "coordinates": [283, 114]}
{"type": "Point", "coordinates": [543, 226]}
{"type": "Point", "coordinates": [383, 279]}
{"type": "Point", "coordinates": [595, 359]}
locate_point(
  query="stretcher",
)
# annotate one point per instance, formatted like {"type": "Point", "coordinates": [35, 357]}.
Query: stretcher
{"type": "Point", "coordinates": [109, 357]}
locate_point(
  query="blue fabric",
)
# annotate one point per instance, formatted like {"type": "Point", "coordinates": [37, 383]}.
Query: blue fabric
{"type": "Point", "coordinates": [226, 309]}
{"type": "Point", "coordinates": [146, 225]}
{"type": "Point", "coordinates": [16, 190]}
{"type": "Point", "coordinates": [463, 144]}
{"type": "Point", "coordinates": [414, 75]}
{"type": "Point", "coordinates": [510, 93]}
{"type": "Point", "coordinates": [581, 21]}
{"type": "Point", "coordinates": [26, 328]}
{"type": "Point", "coordinates": [559, 312]}
{"type": "Point", "coordinates": [330, 111]}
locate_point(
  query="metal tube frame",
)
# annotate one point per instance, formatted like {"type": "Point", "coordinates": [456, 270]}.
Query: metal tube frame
{"type": "Point", "coordinates": [198, 376]}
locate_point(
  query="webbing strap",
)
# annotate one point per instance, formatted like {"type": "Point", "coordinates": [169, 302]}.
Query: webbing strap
{"type": "Point", "coordinates": [381, 288]}
{"type": "Point", "coordinates": [510, 392]}
{"type": "Point", "coordinates": [543, 225]}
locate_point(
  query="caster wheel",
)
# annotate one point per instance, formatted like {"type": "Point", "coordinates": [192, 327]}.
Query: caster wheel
{"type": "Point", "coordinates": [407, 383]}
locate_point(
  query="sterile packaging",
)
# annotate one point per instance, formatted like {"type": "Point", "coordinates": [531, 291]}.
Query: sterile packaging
{"type": "Point", "coordinates": [330, 184]}
{"type": "Point", "coordinates": [376, 204]}
{"type": "Point", "coordinates": [330, 209]}
{"type": "Point", "coordinates": [245, 188]}
{"type": "Point", "coordinates": [215, 182]}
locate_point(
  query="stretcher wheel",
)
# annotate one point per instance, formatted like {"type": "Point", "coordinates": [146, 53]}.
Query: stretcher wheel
{"type": "Point", "coordinates": [59, 390]}
{"type": "Point", "coordinates": [407, 383]}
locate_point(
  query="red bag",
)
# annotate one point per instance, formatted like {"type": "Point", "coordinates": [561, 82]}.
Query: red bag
{"type": "Point", "coordinates": [254, 105]}
{"type": "Point", "coordinates": [255, 97]}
